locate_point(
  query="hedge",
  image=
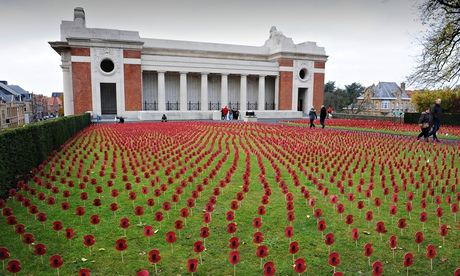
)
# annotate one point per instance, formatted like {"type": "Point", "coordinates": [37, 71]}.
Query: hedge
{"type": "Point", "coordinates": [24, 148]}
{"type": "Point", "coordinates": [452, 119]}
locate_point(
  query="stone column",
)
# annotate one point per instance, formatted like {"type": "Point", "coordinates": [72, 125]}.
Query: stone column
{"type": "Point", "coordinates": [204, 91]}
{"type": "Point", "coordinates": [183, 91]}
{"type": "Point", "coordinates": [224, 90]}
{"type": "Point", "coordinates": [161, 91]}
{"type": "Point", "coordinates": [243, 93]}
{"type": "Point", "coordinates": [277, 91]}
{"type": "Point", "coordinates": [67, 79]}
{"type": "Point", "coordinates": [261, 99]}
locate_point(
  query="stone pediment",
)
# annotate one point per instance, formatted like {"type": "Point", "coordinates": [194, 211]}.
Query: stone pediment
{"type": "Point", "coordinates": [278, 42]}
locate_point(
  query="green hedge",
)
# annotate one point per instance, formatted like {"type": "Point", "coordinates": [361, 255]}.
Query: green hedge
{"type": "Point", "coordinates": [451, 119]}
{"type": "Point", "coordinates": [22, 149]}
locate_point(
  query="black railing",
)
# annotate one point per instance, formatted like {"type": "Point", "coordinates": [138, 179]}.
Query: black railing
{"type": "Point", "coordinates": [150, 106]}
{"type": "Point", "coordinates": [214, 106]}
{"type": "Point", "coordinates": [269, 106]}
{"type": "Point", "coordinates": [172, 106]}
{"type": "Point", "coordinates": [252, 106]}
{"type": "Point", "coordinates": [193, 106]}
{"type": "Point", "coordinates": [234, 105]}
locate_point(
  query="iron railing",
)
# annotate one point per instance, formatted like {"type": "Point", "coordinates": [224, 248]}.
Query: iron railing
{"type": "Point", "coordinates": [252, 106]}
{"type": "Point", "coordinates": [269, 106]}
{"type": "Point", "coordinates": [234, 105]}
{"type": "Point", "coordinates": [172, 106]}
{"type": "Point", "coordinates": [193, 105]}
{"type": "Point", "coordinates": [214, 106]}
{"type": "Point", "coordinates": [150, 106]}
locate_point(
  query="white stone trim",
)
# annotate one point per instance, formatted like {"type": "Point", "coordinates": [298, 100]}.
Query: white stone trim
{"type": "Point", "coordinates": [131, 60]}
{"type": "Point", "coordinates": [286, 69]}
{"type": "Point", "coordinates": [319, 70]}
{"type": "Point", "coordinates": [80, 59]}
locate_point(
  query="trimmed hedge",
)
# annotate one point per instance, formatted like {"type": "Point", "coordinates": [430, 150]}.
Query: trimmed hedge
{"type": "Point", "coordinates": [451, 119]}
{"type": "Point", "coordinates": [22, 149]}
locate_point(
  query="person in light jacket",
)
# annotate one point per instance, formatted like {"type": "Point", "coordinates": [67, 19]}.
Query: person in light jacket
{"type": "Point", "coordinates": [312, 116]}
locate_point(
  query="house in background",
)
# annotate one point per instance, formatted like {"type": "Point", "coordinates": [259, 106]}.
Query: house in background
{"type": "Point", "coordinates": [15, 106]}
{"type": "Point", "coordinates": [384, 99]}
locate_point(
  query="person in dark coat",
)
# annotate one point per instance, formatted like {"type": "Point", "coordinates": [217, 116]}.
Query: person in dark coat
{"type": "Point", "coordinates": [322, 116]}
{"type": "Point", "coordinates": [425, 122]}
{"type": "Point", "coordinates": [164, 118]}
{"type": "Point", "coordinates": [312, 116]}
{"type": "Point", "coordinates": [436, 113]}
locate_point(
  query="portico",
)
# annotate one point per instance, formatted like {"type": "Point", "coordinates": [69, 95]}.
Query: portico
{"type": "Point", "coordinates": [184, 79]}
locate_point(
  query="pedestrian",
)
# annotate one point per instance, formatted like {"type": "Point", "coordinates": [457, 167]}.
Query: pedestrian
{"type": "Point", "coordinates": [436, 114]}
{"type": "Point", "coordinates": [322, 116]}
{"type": "Point", "coordinates": [425, 121]}
{"type": "Point", "coordinates": [164, 119]}
{"type": "Point", "coordinates": [225, 113]}
{"type": "Point", "coordinates": [330, 110]}
{"type": "Point", "coordinates": [312, 115]}
{"type": "Point", "coordinates": [236, 115]}
{"type": "Point", "coordinates": [230, 114]}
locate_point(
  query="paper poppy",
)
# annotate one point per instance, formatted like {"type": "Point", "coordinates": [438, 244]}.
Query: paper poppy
{"type": "Point", "coordinates": [258, 237]}
{"type": "Point", "coordinates": [334, 259]}
{"type": "Point", "coordinates": [39, 249]}
{"type": "Point", "coordinates": [230, 216]}
{"type": "Point", "coordinates": [293, 247]}
{"type": "Point", "coordinates": [148, 231]}
{"type": "Point", "coordinates": [198, 247]}
{"type": "Point", "coordinates": [257, 223]}
{"type": "Point", "coordinates": [300, 266]}
{"type": "Point", "coordinates": [269, 269]}
{"type": "Point", "coordinates": [329, 239]}
{"type": "Point", "coordinates": [262, 251]}
{"type": "Point", "coordinates": [234, 257]}
{"type": "Point", "coordinates": [69, 233]}
{"type": "Point", "coordinates": [393, 242]}
{"type": "Point", "coordinates": [231, 228]}
{"type": "Point", "coordinates": [192, 265]}
{"type": "Point", "coordinates": [204, 232]}
{"type": "Point", "coordinates": [234, 243]}
{"type": "Point", "coordinates": [154, 256]}
{"type": "Point", "coordinates": [408, 259]}
{"type": "Point", "coordinates": [289, 232]}
{"type": "Point", "coordinates": [55, 261]}
{"type": "Point", "coordinates": [28, 238]}
{"type": "Point", "coordinates": [14, 266]}
{"type": "Point", "coordinates": [124, 223]}
{"type": "Point", "coordinates": [321, 226]}
{"type": "Point", "coordinates": [377, 268]}
{"type": "Point", "coordinates": [121, 245]}
{"type": "Point", "coordinates": [171, 237]}
{"type": "Point", "coordinates": [88, 240]}
{"type": "Point", "coordinates": [57, 226]}
{"type": "Point", "coordinates": [430, 251]}
{"type": "Point", "coordinates": [20, 229]}
{"type": "Point", "coordinates": [84, 272]}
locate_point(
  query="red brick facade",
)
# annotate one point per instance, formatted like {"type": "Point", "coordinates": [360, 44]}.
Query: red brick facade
{"type": "Point", "coordinates": [131, 54]}
{"type": "Point", "coordinates": [320, 64]}
{"type": "Point", "coordinates": [285, 91]}
{"type": "Point", "coordinates": [133, 87]}
{"type": "Point", "coordinates": [81, 80]}
{"type": "Point", "coordinates": [80, 52]}
{"type": "Point", "coordinates": [318, 90]}
{"type": "Point", "coordinates": [285, 62]}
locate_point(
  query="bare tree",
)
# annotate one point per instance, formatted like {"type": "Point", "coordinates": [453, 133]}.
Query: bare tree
{"type": "Point", "coordinates": [439, 63]}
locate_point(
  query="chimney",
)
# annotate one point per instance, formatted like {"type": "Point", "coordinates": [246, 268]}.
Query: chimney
{"type": "Point", "coordinates": [79, 16]}
{"type": "Point", "coordinates": [4, 82]}
{"type": "Point", "coordinates": [403, 86]}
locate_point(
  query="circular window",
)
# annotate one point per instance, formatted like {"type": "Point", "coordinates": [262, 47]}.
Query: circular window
{"type": "Point", "coordinates": [303, 73]}
{"type": "Point", "coordinates": [107, 65]}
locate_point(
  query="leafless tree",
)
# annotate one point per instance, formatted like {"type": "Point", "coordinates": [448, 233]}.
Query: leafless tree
{"type": "Point", "coordinates": [439, 62]}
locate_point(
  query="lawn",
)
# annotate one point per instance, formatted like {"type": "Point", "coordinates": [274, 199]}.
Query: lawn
{"type": "Point", "coordinates": [188, 189]}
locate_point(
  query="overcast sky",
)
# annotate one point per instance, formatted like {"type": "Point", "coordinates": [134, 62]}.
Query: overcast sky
{"type": "Point", "coordinates": [366, 40]}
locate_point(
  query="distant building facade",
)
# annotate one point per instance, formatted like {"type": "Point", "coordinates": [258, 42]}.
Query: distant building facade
{"type": "Point", "coordinates": [15, 106]}
{"type": "Point", "coordinates": [384, 99]}
{"type": "Point", "coordinates": [115, 72]}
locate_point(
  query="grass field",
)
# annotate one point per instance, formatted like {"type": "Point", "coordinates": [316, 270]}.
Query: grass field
{"type": "Point", "coordinates": [222, 175]}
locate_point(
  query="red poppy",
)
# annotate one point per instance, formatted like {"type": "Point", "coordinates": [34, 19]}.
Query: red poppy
{"type": "Point", "coordinates": [300, 266]}
{"type": "Point", "coordinates": [329, 239]}
{"type": "Point", "coordinates": [192, 265]}
{"type": "Point", "coordinates": [4, 253]}
{"type": "Point", "coordinates": [124, 223]}
{"type": "Point", "coordinates": [423, 216]}
{"type": "Point", "coordinates": [334, 259]}
{"type": "Point", "coordinates": [230, 216]}
{"type": "Point", "coordinates": [368, 250]}
{"type": "Point", "coordinates": [289, 232]}
{"type": "Point", "coordinates": [198, 247]}
{"type": "Point", "coordinates": [143, 273]}
{"type": "Point", "coordinates": [257, 223]}
{"type": "Point", "coordinates": [443, 230]}
{"type": "Point", "coordinates": [139, 211]}
{"type": "Point", "coordinates": [355, 234]}
{"type": "Point", "coordinates": [158, 216]}
{"type": "Point", "coordinates": [55, 261]}
{"type": "Point", "coordinates": [258, 237]}
{"type": "Point", "coordinates": [88, 240]}
{"type": "Point", "coordinates": [269, 269]}
{"type": "Point", "coordinates": [84, 272]}
{"type": "Point", "coordinates": [184, 212]}
{"type": "Point", "coordinates": [121, 245]}
{"type": "Point", "coordinates": [39, 249]}
{"type": "Point", "coordinates": [293, 247]}
{"type": "Point", "coordinates": [234, 257]}
{"type": "Point", "coordinates": [261, 210]}
{"type": "Point", "coordinates": [171, 237]}
{"type": "Point", "coordinates": [154, 256]}
{"type": "Point", "coordinates": [207, 217]}
{"type": "Point", "coordinates": [69, 233]}
{"type": "Point", "coordinates": [380, 227]}
{"type": "Point", "coordinates": [231, 228]}
{"type": "Point", "coordinates": [57, 226]}
{"type": "Point", "coordinates": [402, 223]}
{"type": "Point", "coordinates": [419, 237]}
{"type": "Point", "coordinates": [349, 219]}
{"type": "Point", "coordinates": [377, 268]}
{"type": "Point", "coordinates": [28, 238]}
{"type": "Point", "coordinates": [234, 243]}
{"type": "Point", "coordinates": [20, 228]}
{"type": "Point", "coordinates": [321, 225]}
{"type": "Point", "coordinates": [262, 251]}
{"type": "Point", "coordinates": [408, 259]}
{"type": "Point", "coordinates": [204, 232]}
{"type": "Point", "coordinates": [318, 213]}
{"type": "Point", "coordinates": [14, 266]}
{"type": "Point", "coordinates": [148, 231]}
{"type": "Point", "coordinates": [393, 242]}
{"type": "Point", "coordinates": [430, 251]}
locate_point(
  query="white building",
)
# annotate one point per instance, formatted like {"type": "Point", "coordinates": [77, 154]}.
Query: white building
{"type": "Point", "coordinates": [117, 72]}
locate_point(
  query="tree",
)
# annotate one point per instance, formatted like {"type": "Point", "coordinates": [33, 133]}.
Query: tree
{"type": "Point", "coordinates": [439, 62]}
{"type": "Point", "coordinates": [450, 99]}
{"type": "Point", "coordinates": [339, 98]}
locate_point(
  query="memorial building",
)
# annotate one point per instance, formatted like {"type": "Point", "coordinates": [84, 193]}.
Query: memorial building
{"type": "Point", "coordinates": [118, 73]}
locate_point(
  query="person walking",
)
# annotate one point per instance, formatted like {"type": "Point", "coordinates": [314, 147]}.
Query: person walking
{"type": "Point", "coordinates": [330, 110]}
{"type": "Point", "coordinates": [436, 114]}
{"type": "Point", "coordinates": [322, 116]}
{"type": "Point", "coordinates": [312, 115]}
{"type": "Point", "coordinates": [425, 122]}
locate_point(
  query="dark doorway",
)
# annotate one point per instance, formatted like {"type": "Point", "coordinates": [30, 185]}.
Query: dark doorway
{"type": "Point", "coordinates": [302, 100]}
{"type": "Point", "coordinates": [108, 98]}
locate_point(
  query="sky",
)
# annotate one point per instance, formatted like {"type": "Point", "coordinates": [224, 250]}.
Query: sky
{"type": "Point", "coordinates": [367, 41]}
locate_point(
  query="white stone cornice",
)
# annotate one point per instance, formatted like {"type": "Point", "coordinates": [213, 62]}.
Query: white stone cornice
{"type": "Point", "coordinates": [80, 59]}
{"type": "Point", "coordinates": [131, 61]}
{"type": "Point", "coordinates": [319, 70]}
{"type": "Point", "coordinates": [286, 69]}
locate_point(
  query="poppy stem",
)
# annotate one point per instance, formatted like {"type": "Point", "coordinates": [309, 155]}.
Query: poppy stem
{"type": "Point", "coordinates": [58, 271]}
{"type": "Point", "coordinates": [407, 271]}
{"type": "Point", "coordinates": [261, 262]}
{"type": "Point", "coordinates": [122, 257]}
{"type": "Point", "coordinates": [234, 270]}
{"type": "Point", "coordinates": [393, 254]}
{"type": "Point", "coordinates": [431, 262]}
{"type": "Point", "coordinates": [156, 271]}
{"type": "Point", "coordinates": [41, 257]}
{"type": "Point", "coordinates": [201, 259]}
{"type": "Point", "coordinates": [418, 247]}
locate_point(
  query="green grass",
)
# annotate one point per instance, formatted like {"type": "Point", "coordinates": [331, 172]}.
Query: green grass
{"type": "Point", "coordinates": [288, 147]}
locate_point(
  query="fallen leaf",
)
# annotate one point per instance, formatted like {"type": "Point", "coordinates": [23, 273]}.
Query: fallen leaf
{"type": "Point", "coordinates": [101, 249]}
{"type": "Point", "coordinates": [366, 232]}
{"type": "Point", "coordinates": [83, 259]}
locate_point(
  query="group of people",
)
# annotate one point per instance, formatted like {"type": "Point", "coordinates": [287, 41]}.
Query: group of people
{"type": "Point", "coordinates": [229, 114]}
{"type": "Point", "coordinates": [430, 122]}
{"type": "Point", "coordinates": [323, 113]}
